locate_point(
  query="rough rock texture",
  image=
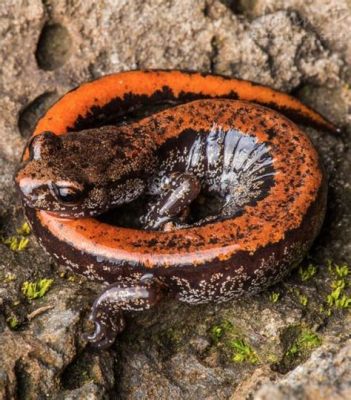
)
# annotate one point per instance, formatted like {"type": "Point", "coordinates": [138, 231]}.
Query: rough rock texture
{"type": "Point", "coordinates": [292, 342]}
{"type": "Point", "coordinates": [326, 375]}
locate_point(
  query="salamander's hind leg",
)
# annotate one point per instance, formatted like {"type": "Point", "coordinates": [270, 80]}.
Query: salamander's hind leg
{"type": "Point", "coordinates": [107, 310]}
{"type": "Point", "coordinates": [179, 190]}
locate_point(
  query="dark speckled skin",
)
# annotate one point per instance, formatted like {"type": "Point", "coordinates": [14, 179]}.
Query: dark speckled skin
{"type": "Point", "coordinates": [231, 193]}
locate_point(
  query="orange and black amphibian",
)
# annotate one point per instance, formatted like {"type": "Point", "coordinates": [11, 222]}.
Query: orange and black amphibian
{"type": "Point", "coordinates": [243, 180]}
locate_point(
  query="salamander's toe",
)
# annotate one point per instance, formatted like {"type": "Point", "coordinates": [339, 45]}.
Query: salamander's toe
{"type": "Point", "coordinates": [106, 330]}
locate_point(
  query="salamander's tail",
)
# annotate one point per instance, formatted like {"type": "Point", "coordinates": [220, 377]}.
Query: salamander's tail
{"type": "Point", "coordinates": [114, 93]}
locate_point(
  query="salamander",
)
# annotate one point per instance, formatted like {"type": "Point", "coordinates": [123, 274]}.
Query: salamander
{"type": "Point", "coordinates": [170, 183]}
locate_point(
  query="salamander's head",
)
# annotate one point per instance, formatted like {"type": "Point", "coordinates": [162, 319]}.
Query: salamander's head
{"type": "Point", "coordinates": [81, 174]}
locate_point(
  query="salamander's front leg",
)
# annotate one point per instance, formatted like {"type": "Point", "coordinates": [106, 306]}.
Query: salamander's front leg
{"type": "Point", "coordinates": [178, 191]}
{"type": "Point", "coordinates": [107, 310]}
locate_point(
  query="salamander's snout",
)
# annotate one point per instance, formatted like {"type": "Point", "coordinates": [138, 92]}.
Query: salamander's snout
{"type": "Point", "coordinates": [26, 184]}
{"type": "Point", "coordinates": [29, 189]}
{"type": "Point", "coordinates": [43, 181]}
{"type": "Point", "coordinates": [30, 177]}
{"type": "Point", "coordinates": [33, 188]}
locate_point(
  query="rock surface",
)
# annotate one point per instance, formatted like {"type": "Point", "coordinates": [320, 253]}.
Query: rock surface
{"type": "Point", "coordinates": [292, 342]}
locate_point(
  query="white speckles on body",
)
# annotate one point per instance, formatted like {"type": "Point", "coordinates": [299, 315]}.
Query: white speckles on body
{"type": "Point", "coordinates": [91, 272]}
{"type": "Point", "coordinates": [236, 282]}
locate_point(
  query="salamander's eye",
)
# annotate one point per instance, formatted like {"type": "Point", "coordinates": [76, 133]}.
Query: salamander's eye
{"type": "Point", "coordinates": [68, 194]}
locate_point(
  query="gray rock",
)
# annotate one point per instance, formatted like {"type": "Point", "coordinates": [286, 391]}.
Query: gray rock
{"type": "Point", "coordinates": [295, 345]}
{"type": "Point", "coordinates": [326, 375]}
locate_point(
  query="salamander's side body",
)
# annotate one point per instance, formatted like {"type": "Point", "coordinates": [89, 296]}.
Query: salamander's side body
{"type": "Point", "coordinates": [265, 169]}
{"type": "Point", "coordinates": [242, 274]}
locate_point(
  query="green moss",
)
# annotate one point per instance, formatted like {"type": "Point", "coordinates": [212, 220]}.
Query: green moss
{"type": "Point", "coordinates": [340, 271]}
{"type": "Point", "coordinates": [13, 322]}
{"type": "Point", "coordinates": [274, 297]}
{"type": "Point", "coordinates": [9, 277]}
{"type": "Point", "coordinates": [343, 302]}
{"type": "Point", "coordinates": [303, 300]}
{"type": "Point", "coordinates": [307, 273]}
{"type": "Point", "coordinates": [338, 298]}
{"type": "Point", "coordinates": [243, 352]}
{"type": "Point", "coordinates": [218, 331]}
{"type": "Point", "coordinates": [226, 337]}
{"type": "Point", "coordinates": [24, 230]}
{"type": "Point", "coordinates": [35, 290]}
{"type": "Point", "coordinates": [18, 242]}
{"type": "Point", "coordinates": [309, 339]}
{"type": "Point", "coordinates": [297, 341]}
{"type": "Point", "coordinates": [306, 341]}
{"type": "Point", "coordinates": [69, 277]}
{"type": "Point", "coordinates": [292, 351]}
